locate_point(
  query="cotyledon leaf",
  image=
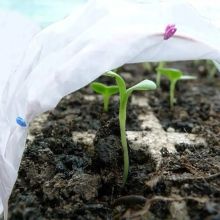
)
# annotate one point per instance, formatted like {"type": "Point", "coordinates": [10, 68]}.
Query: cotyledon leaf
{"type": "Point", "coordinates": [104, 89]}
{"type": "Point", "coordinates": [142, 86]}
{"type": "Point", "coordinates": [171, 74]}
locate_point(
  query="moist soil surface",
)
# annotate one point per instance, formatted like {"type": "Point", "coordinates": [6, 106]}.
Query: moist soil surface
{"type": "Point", "coordinates": [72, 165]}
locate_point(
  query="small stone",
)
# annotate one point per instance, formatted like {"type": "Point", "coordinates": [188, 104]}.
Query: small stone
{"type": "Point", "coordinates": [183, 115]}
{"type": "Point", "coordinates": [170, 129]}
{"type": "Point", "coordinates": [196, 129]}
{"type": "Point", "coordinates": [178, 210]}
{"type": "Point", "coordinates": [187, 151]}
{"type": "Point", "coordinates": [201, 68]}
{"type": "Point", "coordinates": [127, 76]}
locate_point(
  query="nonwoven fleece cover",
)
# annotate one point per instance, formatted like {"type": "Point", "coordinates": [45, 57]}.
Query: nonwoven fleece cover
{"type": "Point", "coordinates": [39, 67]}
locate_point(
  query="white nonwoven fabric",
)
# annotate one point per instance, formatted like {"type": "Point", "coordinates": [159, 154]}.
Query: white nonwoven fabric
{"type": "Point", "coordinates": [16, 33]}
{"type": "Point", "coordinates": [38, 67]}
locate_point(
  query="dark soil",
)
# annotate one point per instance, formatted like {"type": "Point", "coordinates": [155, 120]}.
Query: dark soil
{"type": "Point", "coordinates": [64, 178]}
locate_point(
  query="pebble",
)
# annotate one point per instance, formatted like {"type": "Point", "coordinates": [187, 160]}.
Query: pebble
{"type": "Point", "coordinates": [170, 129]}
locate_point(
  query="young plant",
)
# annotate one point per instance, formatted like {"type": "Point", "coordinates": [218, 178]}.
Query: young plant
{"type": "Point", "coordinates": [124, 94]}
{"type": "Point", "coordinates": [105, 91]}
{"type": "Point", "coordinates": [210, 66]}
{"type": "Point", "coordinates": [211, 69]}
{"type": "Point", "coordinates": [173, 75]}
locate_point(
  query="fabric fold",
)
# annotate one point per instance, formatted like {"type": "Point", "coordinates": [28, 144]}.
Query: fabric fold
{"type": "Point", "coordinates": [40, 67]}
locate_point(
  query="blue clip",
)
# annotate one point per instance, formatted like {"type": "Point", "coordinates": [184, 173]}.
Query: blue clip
{"type": "Point", "coordinates": [20, 121]}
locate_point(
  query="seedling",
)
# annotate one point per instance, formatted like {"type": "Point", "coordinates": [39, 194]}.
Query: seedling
{"type": "Point", "coordinates": [124, 94]}
{"type": "Point", "coordinates": [211, 68]}
{"type": "Point", "coordinates": [210, 65]}
{"type": "Point", "coordinates": [105, 91]}
{"type": "Point", "coordinates": [173, 75]}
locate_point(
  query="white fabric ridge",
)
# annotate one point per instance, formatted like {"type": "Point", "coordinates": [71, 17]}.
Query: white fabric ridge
{"type": "Point", "coordinates": [39, 67]}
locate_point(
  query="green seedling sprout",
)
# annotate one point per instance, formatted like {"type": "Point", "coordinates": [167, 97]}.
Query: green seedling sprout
{"type": "Point", "coordinates": [210, 65]}
{"type": "Point", "coordinates": [105, 91]}
{"type": "Point", "coordinates": [124, 94]}
{"type": "Point", "coordinates": [173, 75]}
{"type": "Point", "coordinates": [161, 65]}
{"type": "Point", "coordinates": [211, 69]}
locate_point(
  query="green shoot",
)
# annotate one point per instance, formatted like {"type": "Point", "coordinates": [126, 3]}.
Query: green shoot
{"type": "Point", "coordinates": [161, 65]}
{"type": "Point", "coordinates": [105, 91]}
{"type": "Point", "coordinates": [211, 68]}
{"type": "Point", "coordinates": [124, 94]}
{"type": "Point", "coordinates": [173, 75]}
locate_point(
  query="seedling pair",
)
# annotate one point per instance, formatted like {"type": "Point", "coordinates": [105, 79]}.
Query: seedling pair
{"type": "Point", "coordinates": [174, 75]}
{"type": "Point", "coordinates": [124, 94]}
